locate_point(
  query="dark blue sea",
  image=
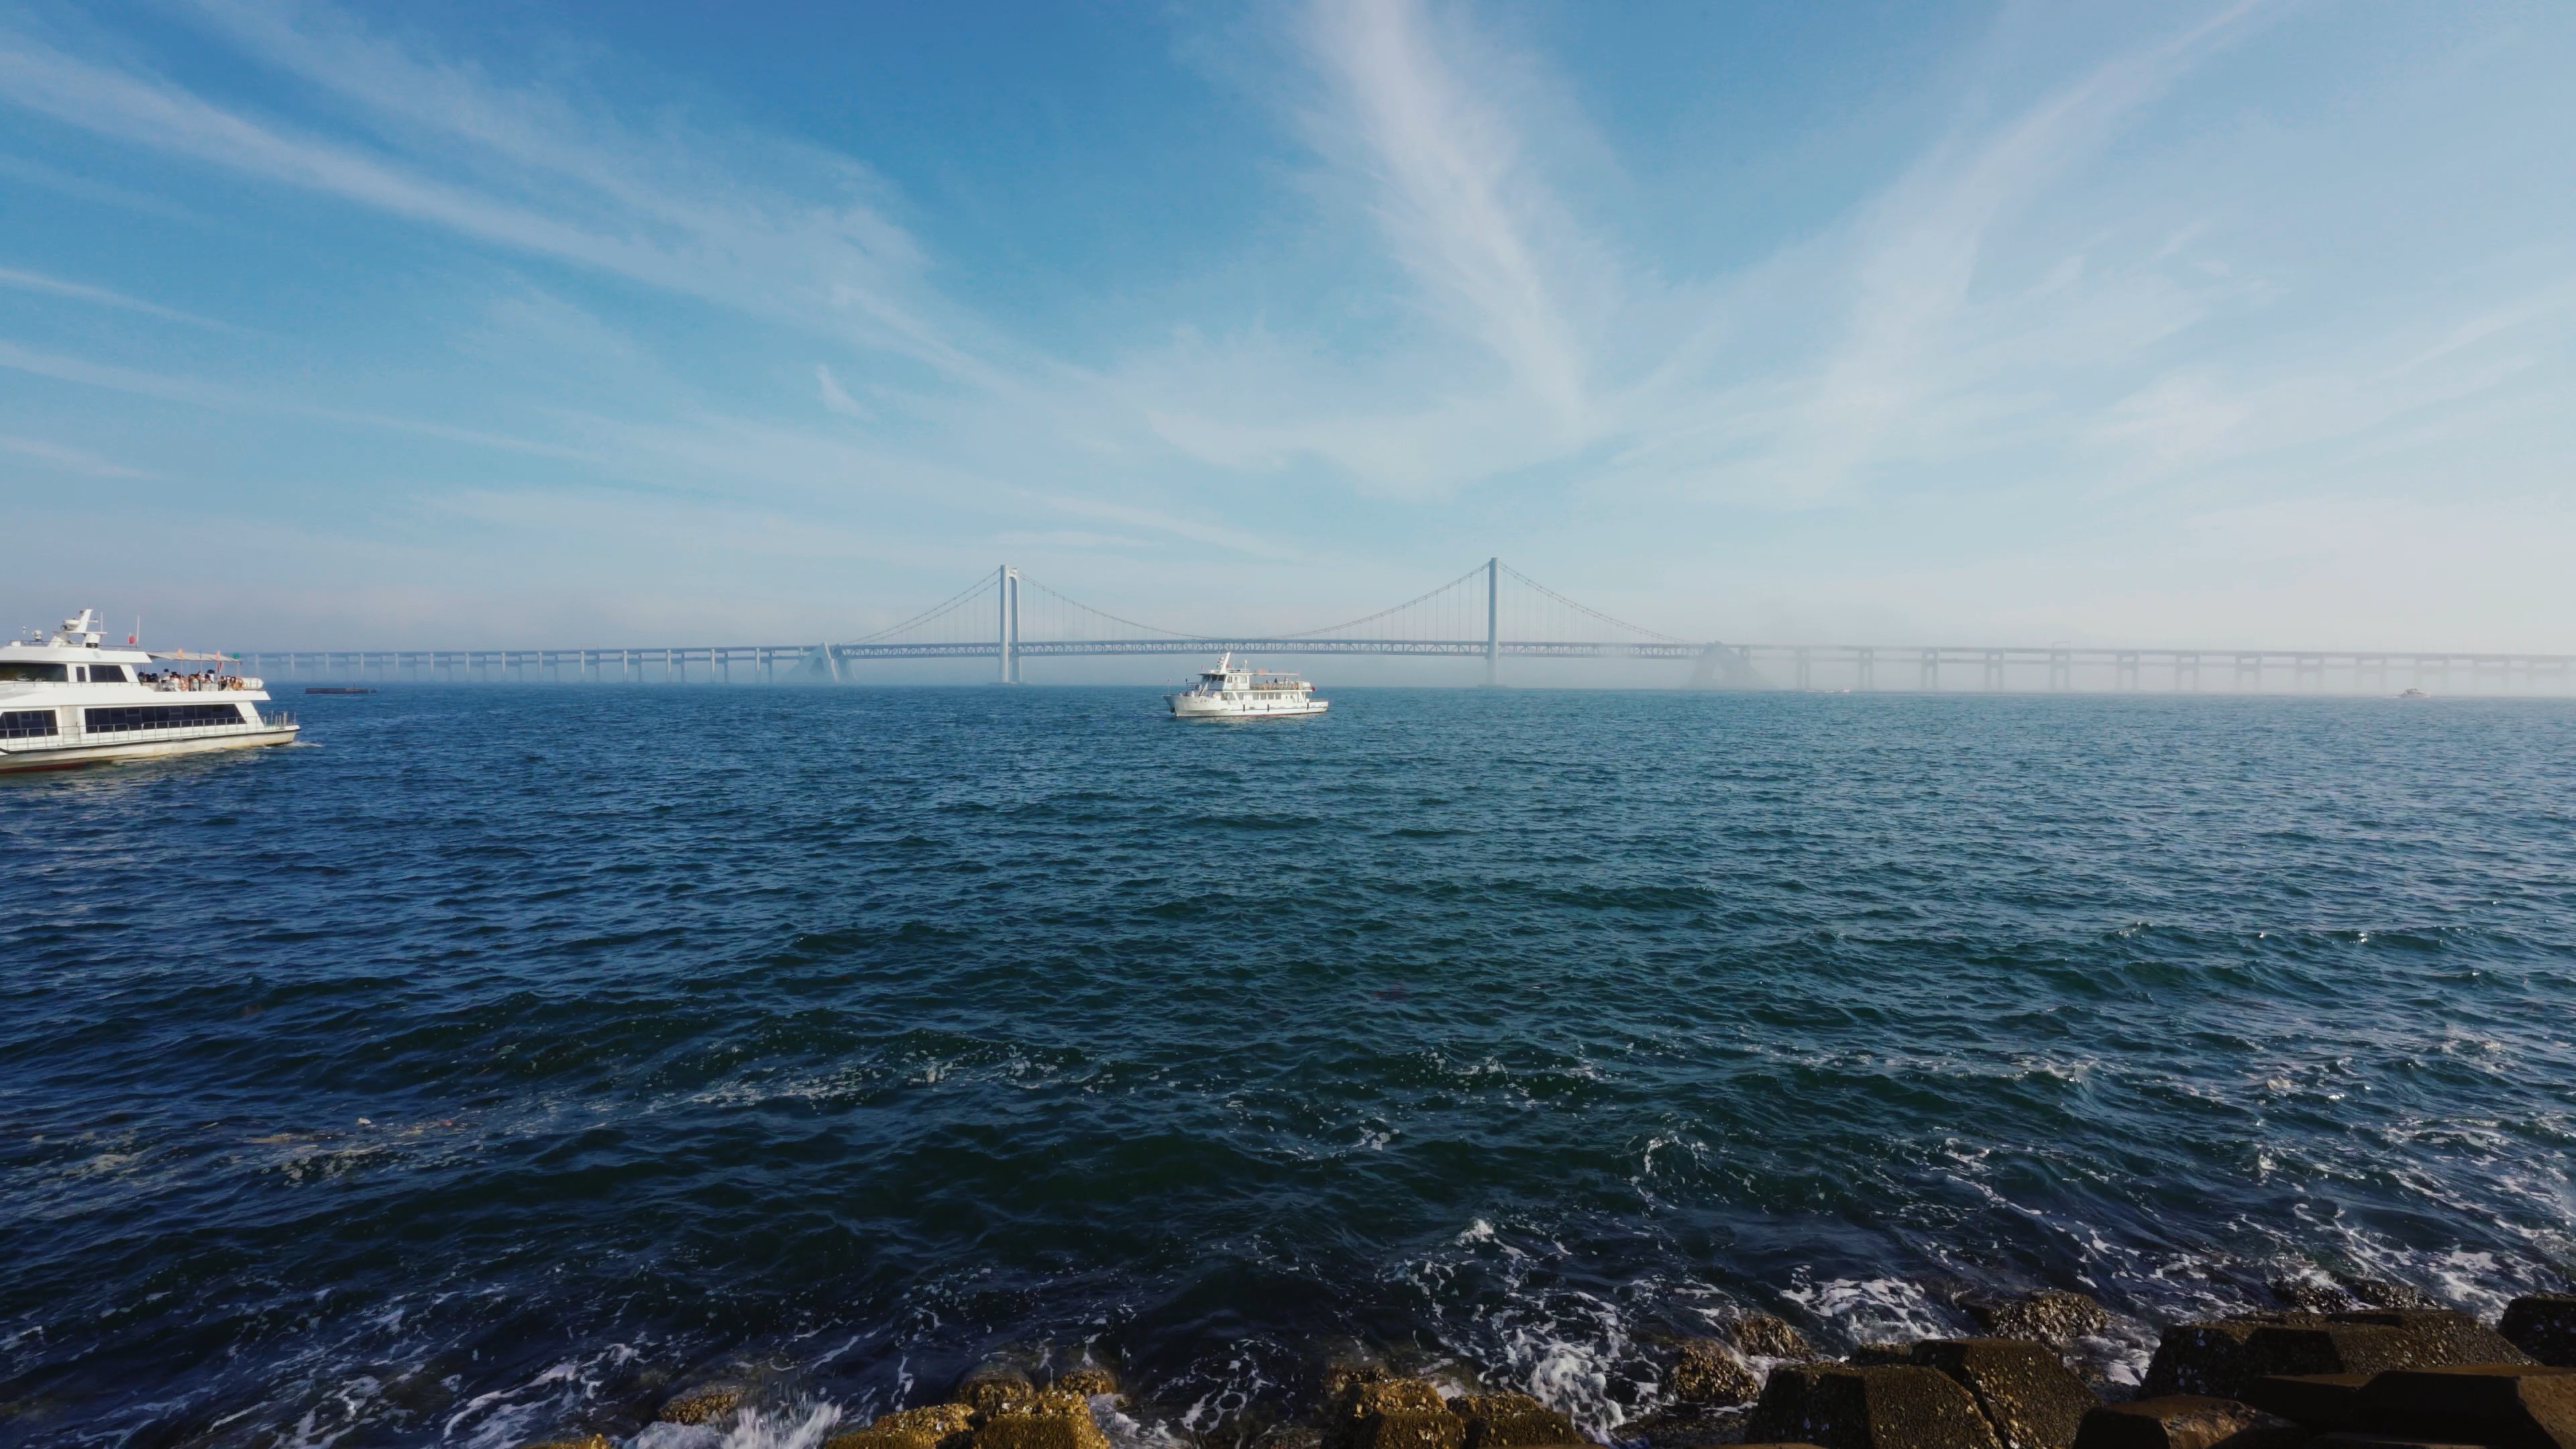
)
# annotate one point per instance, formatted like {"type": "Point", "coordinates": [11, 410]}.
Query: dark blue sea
{"type": "Point", "coordinates": [503, 1056]}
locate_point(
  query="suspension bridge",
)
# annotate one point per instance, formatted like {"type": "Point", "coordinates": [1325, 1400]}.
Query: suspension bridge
{"type": "Point", "coordinates": [1492, 612]}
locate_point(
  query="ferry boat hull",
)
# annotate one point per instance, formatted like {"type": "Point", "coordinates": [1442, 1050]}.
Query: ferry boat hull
{"type": "Point", "coordinates": [75, 754]}
{"type": "Point", "coordinates": [1185, 707]}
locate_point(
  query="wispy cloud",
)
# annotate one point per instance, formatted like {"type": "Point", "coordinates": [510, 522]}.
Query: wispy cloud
{"type": "Point", "coordinates": [70, 459]}
{"type": "Point", "coordinates": [83, 292]}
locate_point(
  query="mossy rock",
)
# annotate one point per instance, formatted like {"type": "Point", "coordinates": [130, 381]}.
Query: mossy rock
{"type": "Point", "coordinates": [1056, 1418]}
{"type": "Point", "coordinates": [2052, 1316]}
{"type": "Point", "coordinates": [578, 1441]}
{"type": "Point", "coordinates": [991, 1387]}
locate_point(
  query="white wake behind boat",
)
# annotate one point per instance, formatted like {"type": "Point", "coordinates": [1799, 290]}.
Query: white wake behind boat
{"type": "Point", "coordinates": [1230, 691]}
{"type": "Point", "coordinates": [66, 701]}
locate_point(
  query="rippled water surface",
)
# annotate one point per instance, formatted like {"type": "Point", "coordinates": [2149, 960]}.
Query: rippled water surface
{"type": "Point", "coordinates": [506, 1055]}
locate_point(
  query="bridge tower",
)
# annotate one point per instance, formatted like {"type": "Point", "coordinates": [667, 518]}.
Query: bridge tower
{"type": "Point", "coordinates": [1493, 612]}
{"type": "Point", "coordinates": [1006, 589]}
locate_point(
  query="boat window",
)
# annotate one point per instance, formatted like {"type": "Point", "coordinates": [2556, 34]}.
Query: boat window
{"type": "Point", "coordinates": [107, 674]}
{"type": "Point", "coordinates": [14, 669]}
{"type": "Point", "coordinates": [162, 717]}
{"type": "Point", "coordinates": [19, 724]}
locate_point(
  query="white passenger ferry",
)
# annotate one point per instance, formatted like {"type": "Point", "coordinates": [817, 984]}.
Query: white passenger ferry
{"type": "Point", "coordinates": [67, 701]}
{"type": "Point", "coordinates": [1231, 692]}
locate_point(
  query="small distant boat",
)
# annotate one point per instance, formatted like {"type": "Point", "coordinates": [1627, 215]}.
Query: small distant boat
{"type": "Point", "coordinates": [1230, 691]}
{"type": "Point", "coordinates": [69, 700]}
{"type": "Point", "coordinates": [335, 689]}
{"type": "Point", "coordinates": [2413, 694]}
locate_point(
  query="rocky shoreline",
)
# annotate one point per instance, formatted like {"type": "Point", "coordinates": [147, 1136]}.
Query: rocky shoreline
{"type": "Point", "coordinates": [2395, 1372]}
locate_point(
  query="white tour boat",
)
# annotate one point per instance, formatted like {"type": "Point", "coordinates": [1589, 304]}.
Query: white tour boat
{"type": "Point", "coordinates": [1232, 692]}
{"type": "Point", "coordinates": [66, 701]}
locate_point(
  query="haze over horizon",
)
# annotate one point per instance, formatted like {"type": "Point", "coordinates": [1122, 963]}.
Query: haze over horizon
{"type": "Point", "coordinates": [2249, 324]}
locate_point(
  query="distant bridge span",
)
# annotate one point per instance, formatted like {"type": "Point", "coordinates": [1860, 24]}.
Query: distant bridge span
{"type": "Point", "coordinates": [1492, 612]}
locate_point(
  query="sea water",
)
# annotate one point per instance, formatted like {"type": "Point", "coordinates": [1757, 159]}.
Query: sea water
{"type": "Point", "coordinates": [502, 1056]}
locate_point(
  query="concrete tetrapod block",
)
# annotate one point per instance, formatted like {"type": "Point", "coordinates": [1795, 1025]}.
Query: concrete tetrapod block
{"type": "Point", "coordinates": [1891, 1406]}
{"type": "Point", "coordinates": [1511, 1421]}
{"type": "Point", "coordinates": [2442, 1336]}
{"type": "Point", "coordinates": [2186, 1421]}
{"type": "Point", "coordinates": [2211, 1357]}
{"type": "Point", "coordinates": [2028, 1394]}
{"type": "Point", "coordinates": [2544, 1326]}
{"type": "Point", "coordinates": [2510, 1406]}
{"type": "Point", "coordinates": [2319, 1403]}
{"type": "Point", "coordinates": [2221, 1357]}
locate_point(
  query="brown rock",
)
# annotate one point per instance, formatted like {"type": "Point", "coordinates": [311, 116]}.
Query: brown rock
{"type": "Point", "coordinates": [1894, 1406]}
{"type": "Point", "coordinates": [1759, 1335]}
{"type": "Point", "coordinates": [2510, 1406]}
{"type": "Point", "coordinates": [701, 1405]}
{"type": "Point", "coordinates": [2318, 1402]}
{"type": "Point", "coordinates": [584, 1441]}
{"type": "Point", "coordinates": [2379, 1293]}
{"type": "Point", "coordinates": [2028, 1394]}
{"type": "Point", "coordinates": [2051, 1316]}
{"type": "Point", "coordinates": [2186, 1421]}
{"type": "Point", "coordinates": [2544, 1326]}
{"type": "Point", "coordinates": [1511, 1421]}
{"type": "Point", "coordinates": [1871, 1354]}
{"type": "Point", "coordinates": [2355, 1439]}
{"type": "Point", "coordinates": [1707, 1374]}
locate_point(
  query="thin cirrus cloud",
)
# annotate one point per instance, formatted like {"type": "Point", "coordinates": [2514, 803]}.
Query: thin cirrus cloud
{"type": "Point", "coordinates": [2058, 293]}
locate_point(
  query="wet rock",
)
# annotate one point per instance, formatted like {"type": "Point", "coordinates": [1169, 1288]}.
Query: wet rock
{"type": "Point", "coordinates": [1759, 1335]}
{"type": "Point", "coordinates": [2051, 1316]}
{"type": "Point", "coordinates": [1893, 1406]}
{"type": "Point", "coordinates": [2028, 1394]}
{"type": "Point", "coordinates": [1708, 1374]}
{"type": "Point", "coordinates": [2311, 1295]}
{"type": "Point", "coordinates": [581, 1441]}
{"type": "Point", "coordinates": [2543, 1325]}
{"type": "Point", "coordinates": [2317, 1402]}
{"type": "Point", "coordinates": [1043, 1419]}
{"type": "Point", "coordinates": [2331, 1348]}
{"type": "Point", "coordinates": [1511, 1421]}
{"type": "Point", "coordinates": [1870, 1354]}
{"type": "Point", "coordinates": [994, 1386]}
{"type": "Point", "coordinates": [1089, 1380]}
{"type": "Point", "coordinates": [2186, 1421]}
{"type": "Point", "coordinates": [2378, 1293]}
{"type": "Point", "coordinates": [1680, 1428]}
{"type": "Point", "coordinates": [932, 1426]}
{"type": "Point", "coordinates": [1394, 1414]}
{"type": "Point", "coordinates": [2509, 1406]}
{"type": "Point", "coordinates": [703, 1405]}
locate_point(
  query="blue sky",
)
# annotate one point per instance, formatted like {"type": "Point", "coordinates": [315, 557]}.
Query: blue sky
{"type": "Point", "coordinates": [2248, 323]}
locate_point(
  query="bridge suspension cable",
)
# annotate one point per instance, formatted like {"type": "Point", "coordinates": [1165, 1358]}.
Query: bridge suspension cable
{"type": "Point", "coordinates": [972, 593]}
{"type": "Point", "coordinates": [1035, 622]}
{"type": "Point", "coordinates": [1468, 578]}
{"type": "Point", "coordinates": [1586, 611]}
